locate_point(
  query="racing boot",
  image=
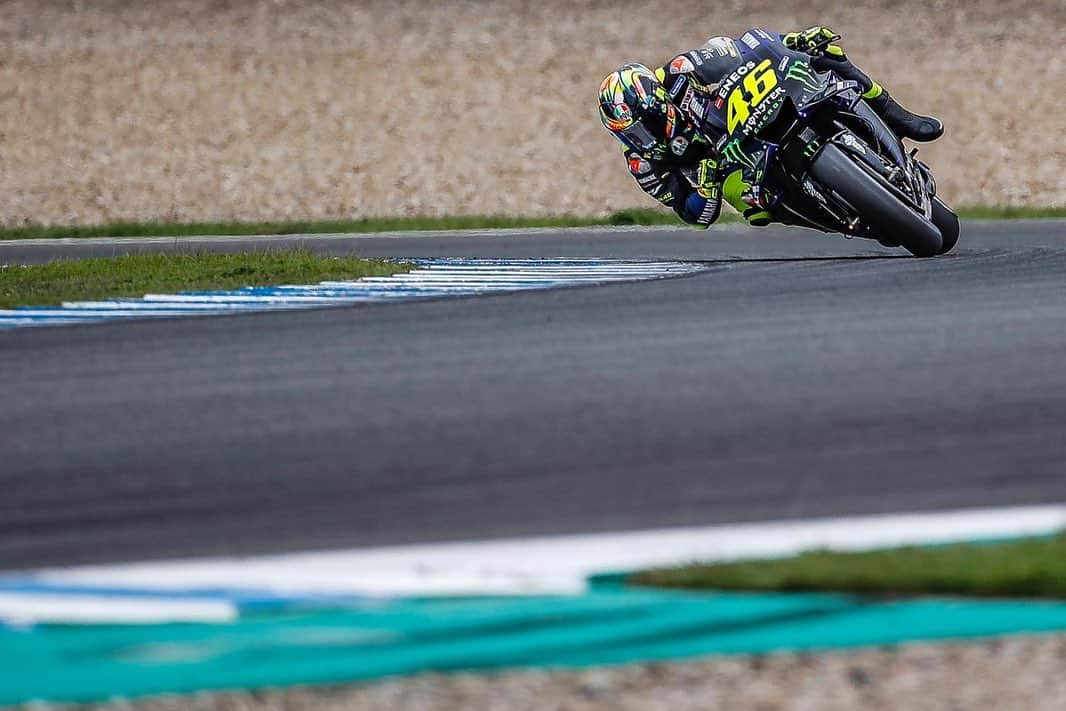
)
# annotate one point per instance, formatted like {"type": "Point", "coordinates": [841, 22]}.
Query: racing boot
{"type": "Point", "coordinates": [903, 123]}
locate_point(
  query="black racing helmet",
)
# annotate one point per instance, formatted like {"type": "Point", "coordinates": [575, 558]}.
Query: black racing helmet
{"type": "Point", "coordinates": [635, 107]}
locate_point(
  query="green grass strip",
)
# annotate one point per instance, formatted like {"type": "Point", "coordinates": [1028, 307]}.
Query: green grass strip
{"type": "Point", "coordinates": [1022, 568]}
{"type": "Point", "coordinates": [140, 274]}
{"type": "Point", "coordinates": [633, 216]}
{"type": "Point", "coordinates": [648, 217]}
{"type": "Point", "coordinates": [382, 224]}
{"type": "Point", "coordinates": [1011, 213]}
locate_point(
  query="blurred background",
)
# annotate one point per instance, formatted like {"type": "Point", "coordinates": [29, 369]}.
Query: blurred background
{"type": "Point", "coordinates": [195, 110]}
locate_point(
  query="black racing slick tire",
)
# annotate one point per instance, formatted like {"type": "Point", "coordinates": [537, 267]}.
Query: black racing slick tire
{"type": "Point", "coordinates": [948, 223]}
{"type": "Point", "coordinates": [886, 216]}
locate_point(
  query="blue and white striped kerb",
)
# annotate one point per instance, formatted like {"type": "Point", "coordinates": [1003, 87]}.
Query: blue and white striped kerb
{"type": "Point", "coordinates": [433, 278]}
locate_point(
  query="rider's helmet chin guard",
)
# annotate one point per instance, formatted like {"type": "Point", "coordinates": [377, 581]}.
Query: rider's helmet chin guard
{"type": "Point", "coordinates": [635, 107]}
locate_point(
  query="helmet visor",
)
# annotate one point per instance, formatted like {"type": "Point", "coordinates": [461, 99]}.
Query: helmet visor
{"type": "Point", "coordinates": [638, 137]}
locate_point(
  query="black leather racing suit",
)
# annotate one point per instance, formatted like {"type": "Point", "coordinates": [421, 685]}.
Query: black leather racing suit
{"type": "Point", "coordinates": [689, 78]}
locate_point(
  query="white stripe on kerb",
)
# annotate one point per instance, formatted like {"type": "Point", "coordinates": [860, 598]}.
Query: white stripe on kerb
{"type": "Point", "coordinates": [29, 608]}
{"type": "Point", "coordinates": [431, 278]}
{"type": "Point", "coordinates": [546, 565]}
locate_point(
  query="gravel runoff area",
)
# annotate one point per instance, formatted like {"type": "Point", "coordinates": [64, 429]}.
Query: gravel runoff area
{"type": "Point", "coordinates": [203, 110]}
{"type": "Point", "coordinates": [1010, 673]}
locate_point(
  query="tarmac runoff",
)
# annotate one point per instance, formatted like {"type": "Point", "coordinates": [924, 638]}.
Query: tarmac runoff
{"type": "Point", "coordinates": [183, 626]}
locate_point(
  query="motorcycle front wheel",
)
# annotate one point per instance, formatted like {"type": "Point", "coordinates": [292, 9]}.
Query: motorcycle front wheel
{"type": "Point", "coordinates": [885, 214]}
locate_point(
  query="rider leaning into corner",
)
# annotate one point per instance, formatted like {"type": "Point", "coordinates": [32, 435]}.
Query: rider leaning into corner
{"type": "Point", "coordinates": [654, 114]}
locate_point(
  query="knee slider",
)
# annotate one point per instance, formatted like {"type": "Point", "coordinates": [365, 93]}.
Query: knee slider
{"type": "Point", "coordinates": [698, 210]}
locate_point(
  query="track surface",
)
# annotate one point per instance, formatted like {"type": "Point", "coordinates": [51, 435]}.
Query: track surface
{"type": "Point", "coordinates": [774, 385]}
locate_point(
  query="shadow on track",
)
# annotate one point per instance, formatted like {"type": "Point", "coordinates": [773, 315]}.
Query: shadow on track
{"type": "Point", "coordinates": [754, 260]}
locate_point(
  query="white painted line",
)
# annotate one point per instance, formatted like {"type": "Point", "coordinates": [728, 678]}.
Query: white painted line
{"type": "Point", "coordinates": [480, 278]}
{"type": "Point", "coordinates": [540, 271]}
{"type": "Point", "coordinates": [442, 277]}
{"type": "Point", "coordinates": [85, 314]}
{"type": "Point", "coordinates": [516, 276]}
{"type": "Point", "coordinates": [30, 322]}
{"type": "Point", "coordinates": [162, 308]}
{"type": "Point", "coordinates": [29, 608]}
{"type": "Point", "coordinates": [549, 565]}
{"type": "Point", "coordinates": [237, 299]}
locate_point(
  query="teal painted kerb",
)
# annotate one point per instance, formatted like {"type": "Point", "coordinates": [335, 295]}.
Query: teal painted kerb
{"type": "Point", "coordinates": [610, 625]}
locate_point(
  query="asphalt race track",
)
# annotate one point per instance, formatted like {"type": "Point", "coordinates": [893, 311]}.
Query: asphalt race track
{"type": "Point", "coordinates": [799, 375]}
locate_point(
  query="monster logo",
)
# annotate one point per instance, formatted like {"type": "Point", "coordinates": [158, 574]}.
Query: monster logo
{"type": "Point", "coordinates": [801, 72]}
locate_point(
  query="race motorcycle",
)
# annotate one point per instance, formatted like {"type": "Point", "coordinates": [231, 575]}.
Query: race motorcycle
{"type": "Point", "coordinates": [821, 156]}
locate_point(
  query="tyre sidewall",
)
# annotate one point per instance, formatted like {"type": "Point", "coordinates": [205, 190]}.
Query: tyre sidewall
{"type": "Point", "coordinates": [883, 212]}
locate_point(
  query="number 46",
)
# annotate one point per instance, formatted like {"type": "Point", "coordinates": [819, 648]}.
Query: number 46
{"type": "Point", "coordinates": [758, 84]}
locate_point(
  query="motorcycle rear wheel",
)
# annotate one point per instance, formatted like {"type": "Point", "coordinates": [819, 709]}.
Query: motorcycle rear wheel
{"type": "Point", "coordinates": [885, 215]}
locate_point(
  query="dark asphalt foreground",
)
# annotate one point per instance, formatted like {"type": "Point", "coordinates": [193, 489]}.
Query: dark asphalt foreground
{"type": "Point", "coordinates": [755, 390]}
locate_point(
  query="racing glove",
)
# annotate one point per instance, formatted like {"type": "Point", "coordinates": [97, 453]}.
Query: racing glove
{"type": "Point", "coordinates": [815, 41]}
{"type": "Point", "coordinates": [708, 181]}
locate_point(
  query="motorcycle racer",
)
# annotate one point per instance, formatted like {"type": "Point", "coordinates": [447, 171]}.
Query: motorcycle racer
{"type": "Point", "coordinates": [654, 113]}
